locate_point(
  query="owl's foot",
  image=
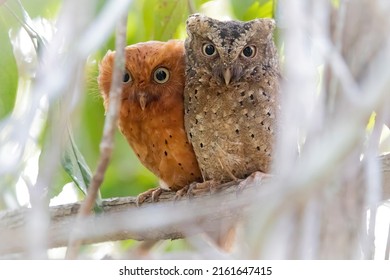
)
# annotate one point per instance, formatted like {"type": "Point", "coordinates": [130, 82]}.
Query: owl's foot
{"type": "Point", "coordinates": [196, 188]}
{"type": "Point", "coordinates": [181, 193]}
{"type": "Point", "coordinates": [254, 179]}
{"type": "Point", "coordinates": [153, 193]}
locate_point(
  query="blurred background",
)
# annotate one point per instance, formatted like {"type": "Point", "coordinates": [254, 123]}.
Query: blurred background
{"type": "Point", "coordinates": [334, 60]}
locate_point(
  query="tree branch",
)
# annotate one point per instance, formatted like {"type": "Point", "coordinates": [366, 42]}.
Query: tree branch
{"type": "Point", "coordinates": [104, 227]}
{"type": "Point", "coordinates": [121, 218]}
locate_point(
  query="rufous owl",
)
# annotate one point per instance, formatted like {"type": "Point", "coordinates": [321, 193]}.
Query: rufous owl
{"type": "Point", "coordinates": [151, 112]}
{"type": "Point", "coordinates": [231, 95]}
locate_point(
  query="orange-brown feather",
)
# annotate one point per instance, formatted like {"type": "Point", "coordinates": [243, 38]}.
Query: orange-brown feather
{"type": "Point", "coordinates": [155, 133]}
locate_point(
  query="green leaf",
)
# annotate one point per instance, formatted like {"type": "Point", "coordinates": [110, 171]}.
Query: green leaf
{"type": "Point", "coordinates": [8, 68]}
{"type": "Point", "coordinates": [195, 5]}
{"type": "Point", "coordinates": [251, 9]}
{"type": "Point", "coordinates": [336, 3]}
{"type": "Point", "coordinates": [76, 167]}
{"type": "Point", "coordinates": [8, 74]}
{"type": "Point", "coordinates": [241, 7]}
{"type": "Point", "coordinates": [169, 15]}
{"type": "Point", "coordinates": [74, 164]}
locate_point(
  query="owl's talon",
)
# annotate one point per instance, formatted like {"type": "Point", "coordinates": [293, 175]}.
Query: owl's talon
{"type": "Point", "coordinates": [153, 193]}
{"type": "Point", "coordinates": [156, 194]}
{"type": "Point", "coordinates": [185, 192]}
{"type": "Point", "coordinates": [202, 188]}
{"type": "Point", "coordinates": [195, 188]}
{"type": "Point", "coordinates": [254, 179]}
{"type": "Point", "coordinates": [180, 193]}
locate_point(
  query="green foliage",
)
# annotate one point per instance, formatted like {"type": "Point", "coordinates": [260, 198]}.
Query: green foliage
{"type": "Point", "coordinates": [8, 70]}
{"type": "Point", "coordinates": [335, 3]}
{"type": "Point", "coordinates": [176, 245]}
{"type": "Point", "coordinates": [168, 16]}
{"type": "Point", "coordinates": [74, 164]}
{"type": "Point", "coordinates": [11, 16]}
{"type": "Point", "coordinates": [249, 9]}
{"type": "Point", "coordinates": [8, 74]}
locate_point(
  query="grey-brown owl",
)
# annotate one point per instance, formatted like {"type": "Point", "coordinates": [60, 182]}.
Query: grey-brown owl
{"type": "Point", "coordinates": [231, 95]}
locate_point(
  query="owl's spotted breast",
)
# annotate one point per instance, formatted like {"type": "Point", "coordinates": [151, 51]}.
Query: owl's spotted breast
{"type": "Point", "coordinates": [234, 135]}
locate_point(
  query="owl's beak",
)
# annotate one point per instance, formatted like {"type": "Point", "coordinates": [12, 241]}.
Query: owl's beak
{"type": "Point", "coordinates": [142, 100]}
{"type": "Point", "coordinates": [227, 75]}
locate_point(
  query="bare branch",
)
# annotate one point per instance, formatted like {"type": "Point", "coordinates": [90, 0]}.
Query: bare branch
{"type": "Point", "coordinates": [387, 250]}
{"type": "Point", "coordinates": [121, 219]}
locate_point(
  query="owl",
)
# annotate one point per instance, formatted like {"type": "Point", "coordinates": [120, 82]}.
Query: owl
{"type": "Point", "coordinates": [231, 95]}
{"type": "Point", "coordinates": [151, 113]}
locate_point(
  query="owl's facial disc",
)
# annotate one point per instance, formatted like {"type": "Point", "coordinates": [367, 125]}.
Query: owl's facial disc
{"type": "Point", "coordinates": [232, 73]}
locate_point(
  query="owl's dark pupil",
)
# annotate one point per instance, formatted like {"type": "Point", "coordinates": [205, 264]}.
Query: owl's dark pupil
{"type": "Point", "coordinates": [161, 75]}
{"type": "Point", "coordinates": [248, 51]}
{"type": "Point", "coordinates": [126, 77]}
{"type": "Point", "coordinates": [209, 49]}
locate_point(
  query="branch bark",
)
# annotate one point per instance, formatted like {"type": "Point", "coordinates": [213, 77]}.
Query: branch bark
{"type": "Point", "coordinates": [99, 227]}
{"type": "Point", "coordinates": [110, 225]}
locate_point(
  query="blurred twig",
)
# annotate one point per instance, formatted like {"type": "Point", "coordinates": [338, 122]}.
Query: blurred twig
{"type": "Point", "coordinates": [107, 143]}
{"type": "Point", "coordinates": [373, 183]}
{"type": "Point", "coordinates": [191, 7]}
{"type": "Point", "coordinates": [121, 220]}
{"type": "Point", "coordinates": [387, 251]}
{"type": "Point", "coordinates": [26, 22]}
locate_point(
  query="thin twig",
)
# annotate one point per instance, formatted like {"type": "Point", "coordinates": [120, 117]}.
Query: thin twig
{"type": "Point", "coordinates": [373, 183]}
{"type": "Point", "coordinates": [387, 251]}
{"type": "Point", "coordinates": [107, 143]}
{"type": "Point", "coordinates": [26, 24]}
{"type": "Point", "coordinates": [191, 7]}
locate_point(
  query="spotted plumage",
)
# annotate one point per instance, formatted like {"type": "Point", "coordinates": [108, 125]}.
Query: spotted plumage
{"type": "Point", "coordinates": [231, 95]}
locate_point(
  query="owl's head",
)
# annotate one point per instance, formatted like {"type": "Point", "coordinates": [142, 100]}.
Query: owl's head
{"type": "Point", "coordinates": [152, 70]}
{"type": "Point", "coordinates": [229, 50]}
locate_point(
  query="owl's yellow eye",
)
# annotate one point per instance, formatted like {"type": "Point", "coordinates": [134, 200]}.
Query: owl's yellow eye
{"type": "Point", "coordinates": [161, 75]}
{"type": "Point", "coordinates": [249, 51]}
{"type": "Point", "coordinates": [208, 49]}
{"type": "Point", "coordinates": [126, 77]}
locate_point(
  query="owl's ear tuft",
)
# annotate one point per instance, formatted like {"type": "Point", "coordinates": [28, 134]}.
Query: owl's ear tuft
{"type": "Point", "coordinates": [196, 23]}
{"type": "Point", "coordinates": [270, 23]}
{"type": "Point", "coordinates": [265, 26]}
{"type": "Point", "coordinates": [109, 52]}
{"type": "Point", "coordinates": [264, 23]}
{"type": "Point", "coordinates": [105, 66]}
{"type": "Point", "coordinates": [194, 18]}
